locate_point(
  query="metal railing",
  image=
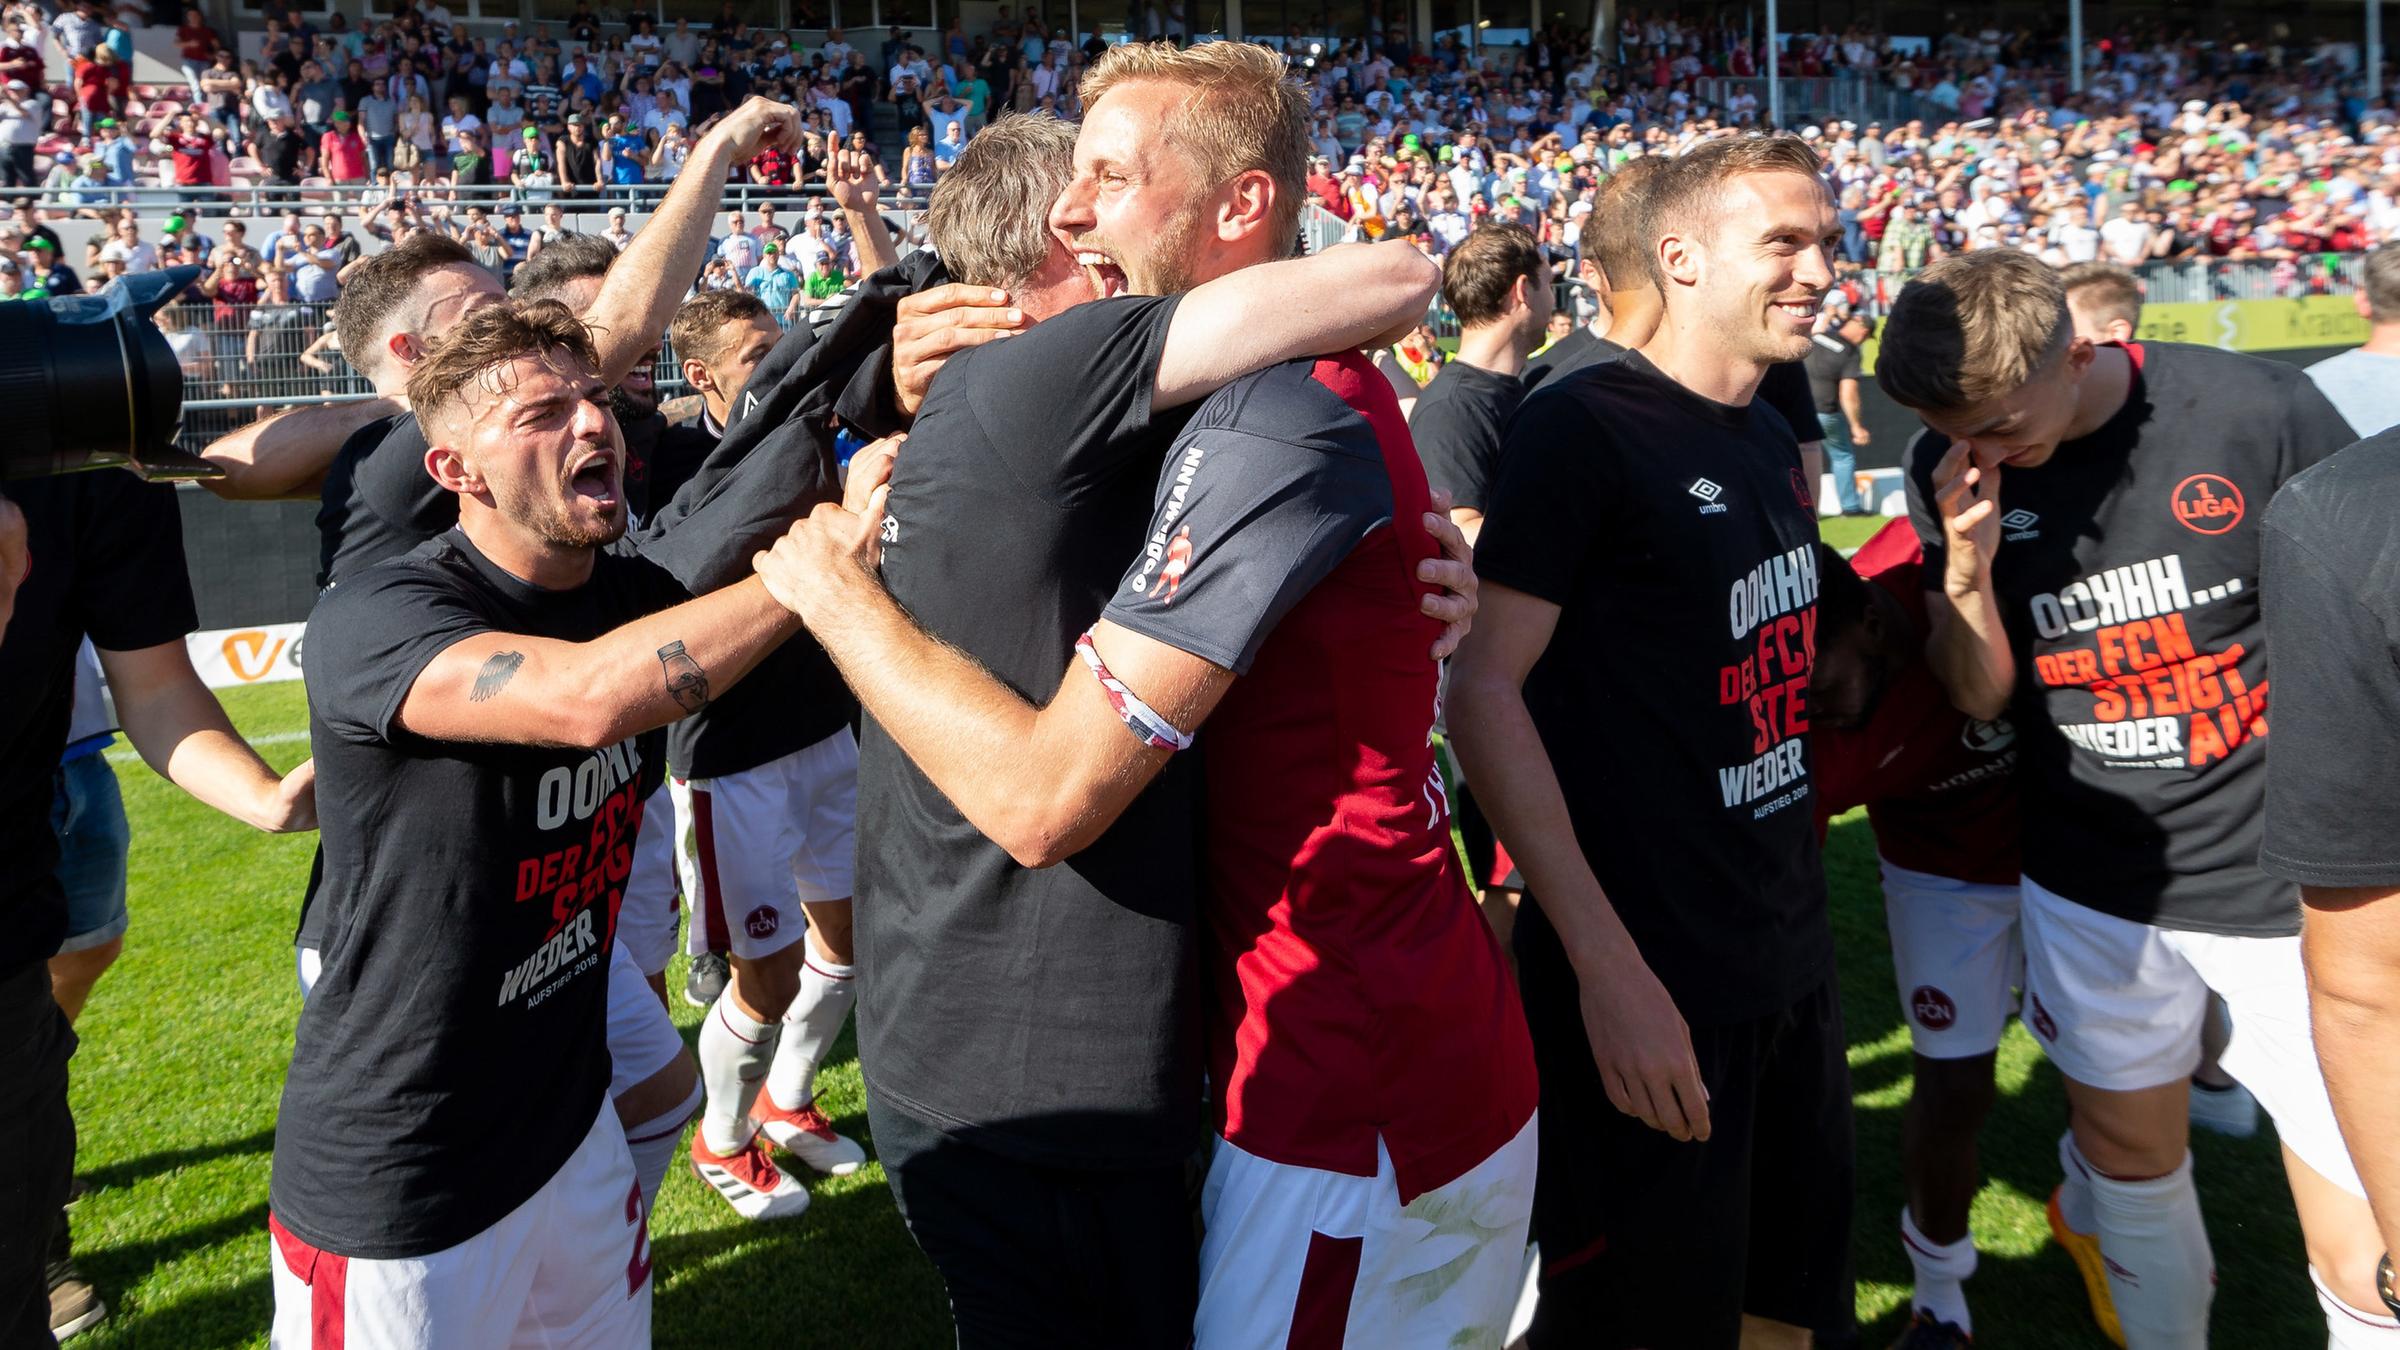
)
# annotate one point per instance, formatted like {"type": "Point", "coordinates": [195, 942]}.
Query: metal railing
{"type": "Point", "coordinates": [640, 198]}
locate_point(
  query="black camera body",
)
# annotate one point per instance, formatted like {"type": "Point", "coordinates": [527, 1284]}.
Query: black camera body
{"type": "Point", "coordinates": [88, 382]}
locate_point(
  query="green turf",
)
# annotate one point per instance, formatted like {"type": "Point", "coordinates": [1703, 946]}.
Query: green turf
{"type": "Point", "coordinates": [185, 1043]}
{"type": "Point", "coordinates": [1848, 532]}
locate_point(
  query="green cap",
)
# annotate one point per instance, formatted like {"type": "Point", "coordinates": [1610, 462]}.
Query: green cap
{"type": "Point", "coordinates": [175, 223]}
{"type": "Point", "coordinates": [532, 135]}
{"type": "Point", "coordinates": [108, 121]}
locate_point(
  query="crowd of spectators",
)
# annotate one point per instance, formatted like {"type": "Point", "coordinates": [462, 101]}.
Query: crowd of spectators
{"type": "Point", "coordinates": [2178, 148]}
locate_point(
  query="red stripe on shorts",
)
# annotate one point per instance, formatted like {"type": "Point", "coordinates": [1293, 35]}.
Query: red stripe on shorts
{"type": "Point", "coordinates": [328, 1279]}
{"type": "Point", "coordinates": [1502, 864]}
{"type": "Point", "coordinates": [1321, 1311]}
{"type": "Point", "coordinates": [704, 838]}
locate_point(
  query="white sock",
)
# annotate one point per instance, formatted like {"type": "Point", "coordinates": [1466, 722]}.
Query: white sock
{"type": "Point", "coordinates": [2347, 1328]}
{"type": "Point", "coordinates": [827, 993]}
{"type": "Point", "coordinates": [2075, 1187]}
{"type": "Point", "coordinates": [1942, 1270]}
{"type": "Point", "coordinates": [654, 1144]}
{"type": "Point", "coordinates": [2159, 1267]}
{"type": "Point", "coordinates": [734, 1053]}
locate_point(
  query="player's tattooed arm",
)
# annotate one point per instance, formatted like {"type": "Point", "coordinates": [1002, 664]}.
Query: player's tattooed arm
{"type": "Point", "coordinates": [687, 683]}
{"type": "Point", "coordinates": [518, 689]}
{"type": "Point", "coordinates": [495, 675]}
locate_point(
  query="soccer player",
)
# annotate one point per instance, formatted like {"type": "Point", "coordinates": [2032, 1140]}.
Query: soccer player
{"type": "Point", "coordinates": [1941, 797]}
{"type": "Point", "coordinates": [2330, 549]}
{"type": "Point", "coordinates": [1030, 1035]}
{"type": "Point", "coordinates": [1498, 285]}
{"type": "Point", "coordinates": [2104, 300]}
{"type": "Point", "coordinates": [1278, 609]}
{"type": "Point", "coordinates": [2364, 382]}
{"type": "Point", "coordinates": [1633, 709]}
{"type": "Point", "coordinates": [1613, 256]}
{"type": "Point", "coordinates": [2091, 556]}
{"type": "Point", "coordinates": [483, 710]}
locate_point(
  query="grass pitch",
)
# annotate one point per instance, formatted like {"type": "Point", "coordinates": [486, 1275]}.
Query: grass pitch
{"type": "Point", "coordinates": [185, 1043]}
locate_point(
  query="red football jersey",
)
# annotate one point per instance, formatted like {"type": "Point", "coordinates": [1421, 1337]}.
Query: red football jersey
{"type": "Point", "coordinates": [1358, 993]}
{"type": "Point", "coordinates": [1939, 786]}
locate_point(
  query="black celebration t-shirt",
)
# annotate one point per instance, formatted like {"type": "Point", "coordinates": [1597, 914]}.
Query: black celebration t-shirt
{"type": "Point", "coordinates": [1675, 536]}
{"type": "Point", "coordinates": [453, 1050]}
{"type": "Point", "coordinates": [2128, 580]}
{"type": "Point", "coordinates": [107, 562]}
{"type": "Point", "coordinates": [1578, 349]}
{"type": "Point", "coordinates": [1458, 424]}
{"type": "Point", "coordinates": [2333, 621]}
{"type": "Point", "coordinates": [1047, 1013]}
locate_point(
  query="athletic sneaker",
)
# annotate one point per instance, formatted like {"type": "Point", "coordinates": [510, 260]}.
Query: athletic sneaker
{"type": "Point", "coordinates": [2084, 1248]}
{"type": "Point", "coordinates": [1928, 1332]}
{"type": "Point", "coordinates": [2228, 1110]}
{"type": "Point", "coordinates": [705, 980]}
{"type": "Point", "coordinates": [749, 1180]}
{"type": "Point", "coordinates": [807, 1135]}
{"type": "Point", "coordinates": [75, 1305]}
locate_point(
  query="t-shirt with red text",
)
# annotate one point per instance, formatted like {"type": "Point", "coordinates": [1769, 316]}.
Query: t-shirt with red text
{"type": "Point", "coordinates": [2128, 583]}
{"type": "Point", "coordinates": [1675, 535]}
{"type": "Point", "coordinates": [1939, 786]}
{"type": "Point", "coordinates": [453, 1051]}
{"type": "Point", "coordinates": [1348, 967]}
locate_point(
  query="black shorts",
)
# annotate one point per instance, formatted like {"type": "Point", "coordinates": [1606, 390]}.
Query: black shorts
{"type": "Point", "coordinates": [1651, 1242]}
{"type": "Point", "coordinates": [1051, 1257]}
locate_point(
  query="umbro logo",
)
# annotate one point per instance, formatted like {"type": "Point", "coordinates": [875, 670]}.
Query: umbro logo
{"type": "Point", "coordinates": [1708, 493]}
{"type": "Point", "coordinates": [2020, 524]}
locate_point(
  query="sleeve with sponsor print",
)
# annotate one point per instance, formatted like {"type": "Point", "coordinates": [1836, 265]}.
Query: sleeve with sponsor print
{"type": "Point", "coordinates": [1075, 386]}
{"type": "Point", "coordinates": [1554, 499]}
{"type": "Point", "coordinates": [370, 638]}
{"type": "Point", "coordinates": [2333, 763]}
{"type": "Point", "coordinates": [132, 589]}
{"type": "Point", "coordinates": [1244, 527]}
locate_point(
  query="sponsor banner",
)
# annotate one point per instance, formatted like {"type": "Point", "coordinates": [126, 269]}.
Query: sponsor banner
{"type": "Point", "coordinates": [229, 657]}
{"type": "Point", "coordinates": [2258, 325]}
{"type": "Point", "coordinates": [2296, 324]}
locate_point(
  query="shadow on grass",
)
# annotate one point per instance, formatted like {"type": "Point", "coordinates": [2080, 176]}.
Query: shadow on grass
{"type": "Point", "coordinates": [2036, 1299]}
{"type": "Point", "coordinates": [167, 1160]}
{"type": "Point", "coordinates": [236, 1315]}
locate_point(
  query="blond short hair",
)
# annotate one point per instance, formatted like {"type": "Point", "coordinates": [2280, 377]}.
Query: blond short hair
{"type": "Point", "coordinates": [487, 339]}
{"type": "Point", "coordinates": [1973, 328]}
{"type": "Point", "coordinates": [1246, 112]}
{"type": "Point", "coordinates": [2104, 290]}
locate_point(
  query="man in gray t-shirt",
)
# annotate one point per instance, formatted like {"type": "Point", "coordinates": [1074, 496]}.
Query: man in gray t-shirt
{"type": "Point", "coordinates": [2364, 383]}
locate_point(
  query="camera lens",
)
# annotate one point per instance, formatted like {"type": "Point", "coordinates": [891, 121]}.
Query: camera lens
{"type": "Point", "coordinates": [91, 383]}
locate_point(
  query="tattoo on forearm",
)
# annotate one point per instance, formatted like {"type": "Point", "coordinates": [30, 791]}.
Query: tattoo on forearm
{"type": "Point", "coordinates": [687, 683]}
{"type": "Point", "coordinates": [495, 675]}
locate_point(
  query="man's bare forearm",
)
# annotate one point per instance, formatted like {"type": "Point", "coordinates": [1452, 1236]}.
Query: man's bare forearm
{"type": "Point", "coordinates": [182, 732]}
{"type": "Point", "coordinates": [2351, 940]}
{"type": "Point", "coordinates": [1339, 300]}
{"type": "Point", "coordinates": [873, 241]}
{"type": "Point", "coordinates": [972, 735]}
{"type": "Point", "coordinates": [1493, 735]}
{"type": "Point", "coordinates": [1969, 651]}
{"type": "Point", "coordinates": [639, 296]}
{"type": "Point", "coordinates": [286, 456]}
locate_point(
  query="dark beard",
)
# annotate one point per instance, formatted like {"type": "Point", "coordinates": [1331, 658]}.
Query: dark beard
{"type": "Point", "coordinates": [631, 407]}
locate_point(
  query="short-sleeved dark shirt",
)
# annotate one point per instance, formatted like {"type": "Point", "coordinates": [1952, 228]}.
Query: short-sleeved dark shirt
{"type": "Point", "coordinates": [1675, 536]}
{"type": "Point", "coordinates": [1052, 1013]}
{"type": "Point", "coordinates": [2128, 580]}
{"type": "Point", "coordinates": [107, 563]}
{"type": "Point", "coordinates": [1458, 424]}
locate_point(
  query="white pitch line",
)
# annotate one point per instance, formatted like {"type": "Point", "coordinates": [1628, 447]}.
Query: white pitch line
{"type": "Point", "coordinates": [125, 754]}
